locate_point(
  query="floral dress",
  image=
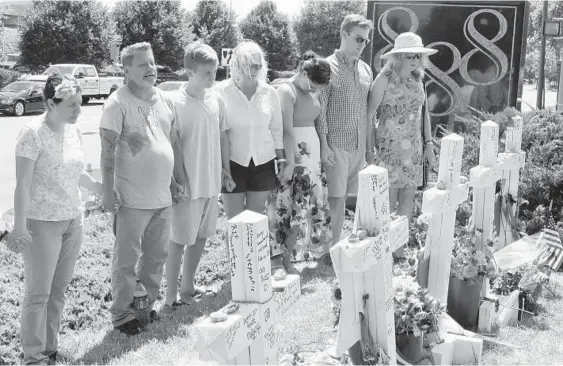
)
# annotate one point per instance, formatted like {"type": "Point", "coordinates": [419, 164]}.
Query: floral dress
{"type": "Point", "coordinates": [300, 207]}
{"type": "Point", "coordinates": [399, 136]}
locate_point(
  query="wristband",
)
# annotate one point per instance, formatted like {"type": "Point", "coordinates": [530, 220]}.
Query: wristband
{"type": "Point", "coordinates": [282, 161]}
{"type": "Point", "coordinates": [429, 142]}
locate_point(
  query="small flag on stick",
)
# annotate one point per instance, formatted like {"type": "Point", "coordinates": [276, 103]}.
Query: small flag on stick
{"type": "Point", "coordinates": [552, 252]}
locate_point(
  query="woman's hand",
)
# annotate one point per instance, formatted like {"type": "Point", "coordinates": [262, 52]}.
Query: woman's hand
{"type": "Point", "coordinates": [429, 153]}
{"type": "Point", "coordinates": [229, 183]}
{"type": "Point", "coordinates": [18, 239]}
{"type": "Point", "coordinates": [285, 172]}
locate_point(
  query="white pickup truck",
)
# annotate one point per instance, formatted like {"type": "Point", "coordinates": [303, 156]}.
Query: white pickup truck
{"type": "Point", "coordinates": [92, 85]}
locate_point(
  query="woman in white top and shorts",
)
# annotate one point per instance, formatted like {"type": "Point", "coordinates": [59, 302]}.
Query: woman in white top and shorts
{"type": "Point", "coordinates": [255, 130]}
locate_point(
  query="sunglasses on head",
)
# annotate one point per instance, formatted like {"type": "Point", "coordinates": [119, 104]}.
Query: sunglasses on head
{"type": "Point", "coordinates": [359, 39]}
{"type": "Point", "coordinates": [413, 57]}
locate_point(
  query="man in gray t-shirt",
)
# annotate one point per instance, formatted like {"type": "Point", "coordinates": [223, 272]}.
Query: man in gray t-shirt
{"type": "Point", "coordinates": [137, 164]}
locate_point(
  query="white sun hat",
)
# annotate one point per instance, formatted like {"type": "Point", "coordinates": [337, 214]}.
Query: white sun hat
{"type": "Point", "coordinates": [409, 42]}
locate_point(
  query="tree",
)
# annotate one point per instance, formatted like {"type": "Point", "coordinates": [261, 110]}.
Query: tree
{"type": "Point", "coordinates": [67, 32]}
{"type": "Point", "coordinates": [318, 26]}
{"type": "Point", "coordinates": [161, 23]}
{"type": "Point", "coordinates": [272, 31]}
{"type": "Point", "coordinates": [533, 41]}
{"type": "Point", "coordinates": [213, 23]}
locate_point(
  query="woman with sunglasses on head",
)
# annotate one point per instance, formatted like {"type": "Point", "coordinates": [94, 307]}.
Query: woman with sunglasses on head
{"type": "Point", "coordinates": [48, 214]}
{"type": "Point", "coordinates": [398, 95]}
{"type": "Point", "coordinates": [299, 208]}
{"type": "Point", "coordinates": [254, 129]}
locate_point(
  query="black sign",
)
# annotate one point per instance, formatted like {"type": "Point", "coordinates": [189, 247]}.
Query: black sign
{"type": "Point", "coordinates": [481, 48]}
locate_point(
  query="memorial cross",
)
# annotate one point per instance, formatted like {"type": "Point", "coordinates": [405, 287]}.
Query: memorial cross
{"type": "Point", "coordinates": [365, 267]}
{"type": "Point", "coordinates": [492, 167]}
{"type": "Point", "coordinates": [513, 160]}
{"type": "Point", "coordinates": [440, 204]}
{"type": "Point", "coordinates": [247, 335]}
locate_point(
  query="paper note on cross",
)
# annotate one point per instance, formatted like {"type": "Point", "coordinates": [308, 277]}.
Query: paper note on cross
{"type": "Point", "coordinates": [441, 205]}
{"type": "Point", "coordinates": [365, 268]}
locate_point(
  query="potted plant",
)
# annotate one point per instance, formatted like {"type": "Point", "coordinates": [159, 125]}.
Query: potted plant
{"type": "Point", "coordinates": [469, 267]}
{"type": "Point", "coordinates": [416, 314]}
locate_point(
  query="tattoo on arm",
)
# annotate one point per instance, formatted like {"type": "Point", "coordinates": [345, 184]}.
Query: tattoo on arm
{"type": "Point", "coordinates": [109, 142]}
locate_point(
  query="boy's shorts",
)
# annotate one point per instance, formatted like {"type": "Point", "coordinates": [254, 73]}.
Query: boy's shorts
{"type": "Point", "coordinates": [193, 219]}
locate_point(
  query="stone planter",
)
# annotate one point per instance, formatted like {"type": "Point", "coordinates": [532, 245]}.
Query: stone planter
{"type": "Point", "coordinates": [410, 346]}
{"type": "Point", "coordinates": [464, 301]}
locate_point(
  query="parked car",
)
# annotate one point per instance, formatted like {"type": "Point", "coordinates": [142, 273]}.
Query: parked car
{"type": "Point", "coordinates": [92, 85]}
{"type": "Point", "coordinates": [12, 61]}
{"type": "Point", "coordinates": [171, 85]}
{"type": "Point", "coordinates": [22, 96]}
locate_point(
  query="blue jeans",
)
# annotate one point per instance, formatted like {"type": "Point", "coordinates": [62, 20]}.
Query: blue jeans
{"type": "Point", "coordinates": [48, 268]}
{"type": "Point", "coordinates": [140, 250]}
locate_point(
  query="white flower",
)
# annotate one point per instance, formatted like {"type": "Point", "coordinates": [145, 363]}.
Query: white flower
{"type": "Point", "coordinates": [65, 89]}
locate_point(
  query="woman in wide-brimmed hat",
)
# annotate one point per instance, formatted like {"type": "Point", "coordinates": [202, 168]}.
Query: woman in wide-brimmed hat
{"type": "Point", "coordinates": [403, 137]}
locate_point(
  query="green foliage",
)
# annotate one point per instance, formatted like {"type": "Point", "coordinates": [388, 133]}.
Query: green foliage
{"type": "Point", "coordinates": [271, 29]}
{"type": "Point", "coordinates": [67, 32]}
{"type": "Point", "coordinates": [318, 26]}
{"type": "Point", "coordinates": [7, 76]}
{"type": "Point", "coordinates": [533, 41]}
{"type": "Point", "coordinates": [541, 179]}
{"type": "Point", "coordinates": [158, 22]}
{"type": "Point", "coordinates": [211, 22]}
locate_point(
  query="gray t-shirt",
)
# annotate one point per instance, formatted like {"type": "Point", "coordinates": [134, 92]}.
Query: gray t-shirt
{"type": "Point", "coordinates": [144, 159]}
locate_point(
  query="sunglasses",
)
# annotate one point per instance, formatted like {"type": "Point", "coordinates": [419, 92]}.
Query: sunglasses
{"type": "Point", "coordinates": [413, 57]}
{"type": "Point", "coordinates": [256, 66]}
{"type": "Point", "coordinates": [359, 39]}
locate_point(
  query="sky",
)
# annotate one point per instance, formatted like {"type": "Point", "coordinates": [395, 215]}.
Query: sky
{"type": "Point", "coordinates": [241, 7]}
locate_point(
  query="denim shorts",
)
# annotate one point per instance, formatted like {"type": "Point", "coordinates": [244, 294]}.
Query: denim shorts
{"type": "Point", "coordinates": [253, 178]}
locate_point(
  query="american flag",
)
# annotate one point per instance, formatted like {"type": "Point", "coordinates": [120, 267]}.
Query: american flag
{"type": "Point", "coordinates": [552, 252]}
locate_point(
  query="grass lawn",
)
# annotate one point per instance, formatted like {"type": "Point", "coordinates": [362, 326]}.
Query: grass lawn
{"type": "Point", "coordinates": [87, 337]}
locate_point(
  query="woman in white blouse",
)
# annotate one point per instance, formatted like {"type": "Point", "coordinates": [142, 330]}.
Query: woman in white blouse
{"type": "Point", "coordinates": [255, 131]}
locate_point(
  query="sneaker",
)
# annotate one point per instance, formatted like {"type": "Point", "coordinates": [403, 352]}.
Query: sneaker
{"type": "Point", "coordinates": [132, 327]}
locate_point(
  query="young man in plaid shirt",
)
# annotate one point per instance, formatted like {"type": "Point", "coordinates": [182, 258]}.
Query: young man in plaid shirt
{"type": "Point", "coordinates": [342, 125]}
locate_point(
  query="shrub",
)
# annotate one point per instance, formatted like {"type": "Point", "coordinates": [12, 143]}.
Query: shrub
{"type": "Point", "coordinates": [7, 76]}
{"type": "Point", "coordinates": [541, 179]}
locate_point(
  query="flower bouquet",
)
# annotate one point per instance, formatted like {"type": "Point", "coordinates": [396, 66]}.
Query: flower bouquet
{"type": "Point", "coordinates": [468, 269]}
{"type": "Point", "coordinates": [469, 264]}
{"type": "Point", "coordinates": [416, 314]}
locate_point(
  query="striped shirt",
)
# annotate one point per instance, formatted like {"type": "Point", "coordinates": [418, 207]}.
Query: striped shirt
{"type": "Point", "coordinates": [344, 103]}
